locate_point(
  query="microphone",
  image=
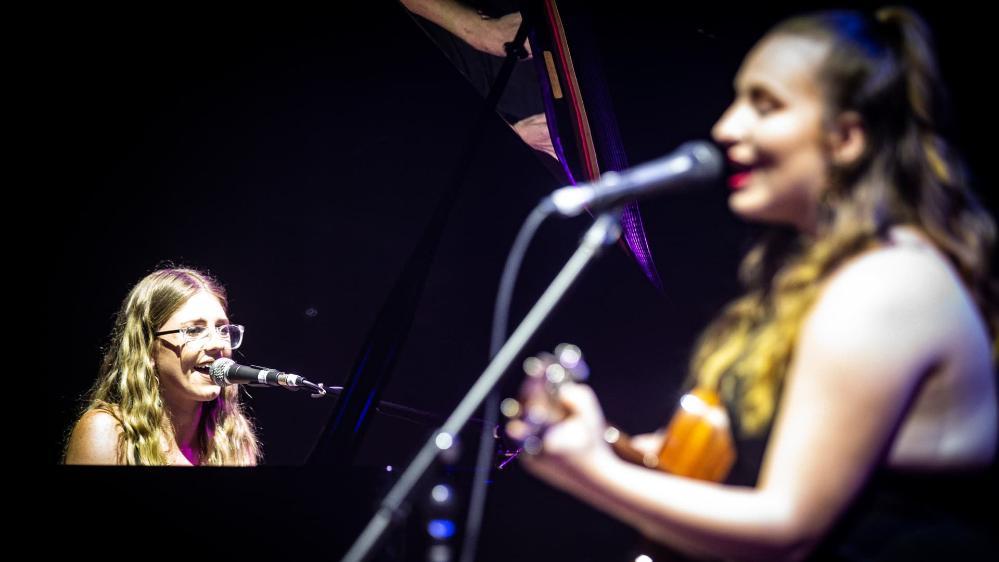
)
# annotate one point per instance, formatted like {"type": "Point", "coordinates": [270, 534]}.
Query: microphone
{"type": "Point", "coordinates": [225, 371]}
{"type": "Point", "coordinates": [693, 163]}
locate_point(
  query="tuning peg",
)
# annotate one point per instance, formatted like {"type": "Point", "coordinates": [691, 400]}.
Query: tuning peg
{"type": "Point", "coordinates": [571, 357]}
{"type": "Point", "coordinates": [534, 367]}
{"type": "Point", "coordinates": [568, 355]}
{"type": "Point", "coordinates": [510, 408]}
{"type": "Point", "coordinates": [555, 374]}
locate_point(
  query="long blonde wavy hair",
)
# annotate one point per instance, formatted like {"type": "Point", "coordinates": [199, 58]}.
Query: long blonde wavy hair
{"type": "Point", "coordinates": [128, 386]}
{"type": "Point", "coordinates": [884, 69]}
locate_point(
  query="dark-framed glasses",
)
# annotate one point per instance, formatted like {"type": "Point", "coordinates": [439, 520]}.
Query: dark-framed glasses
{"type": "Point", "coordinates": [231, 334]}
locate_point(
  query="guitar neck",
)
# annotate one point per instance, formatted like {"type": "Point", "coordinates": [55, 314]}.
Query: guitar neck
{"type": "Point", "coordinates": [623, 448]}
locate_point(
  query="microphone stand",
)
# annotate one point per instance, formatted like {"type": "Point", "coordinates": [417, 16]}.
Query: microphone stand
{"type": "Point", "coordinates": [606, 230]}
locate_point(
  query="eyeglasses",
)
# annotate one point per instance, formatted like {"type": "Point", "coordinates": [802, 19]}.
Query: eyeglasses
{"type": "Point", "coordinates": [231, 334]}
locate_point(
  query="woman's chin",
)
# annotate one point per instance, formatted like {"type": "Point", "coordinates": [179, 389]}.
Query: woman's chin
{"type": "Point", "coordinates": [748, 206]}
{"type": "Point", "coordinates": [210, 394]}
{"type": "Point", "coordinates": [758, 208]}
{"type": "Point", "coordinates": [205, 388]}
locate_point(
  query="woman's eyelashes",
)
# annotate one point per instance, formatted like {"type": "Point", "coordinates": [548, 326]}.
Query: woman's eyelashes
{"type": "Point", "coordinates": [763, 101]}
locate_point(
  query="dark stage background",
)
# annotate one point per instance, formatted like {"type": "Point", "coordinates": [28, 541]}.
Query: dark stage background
{"type": "Point", "coordinates": [297, 156]}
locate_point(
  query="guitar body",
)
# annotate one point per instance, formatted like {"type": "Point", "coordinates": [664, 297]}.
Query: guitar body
{"type": "Point", "coordinates": [698, 442]}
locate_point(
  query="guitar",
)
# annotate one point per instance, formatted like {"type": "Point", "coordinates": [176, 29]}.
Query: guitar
{"type": "Point", "coordinates": [697, 442]}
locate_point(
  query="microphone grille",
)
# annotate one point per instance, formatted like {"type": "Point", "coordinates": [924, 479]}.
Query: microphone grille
{"type": "Point", "coordinates": [708, 161]}
{"type": "Point", "coordinates": [219, 369]}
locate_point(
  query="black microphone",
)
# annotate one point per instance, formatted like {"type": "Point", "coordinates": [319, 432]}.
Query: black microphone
{"type": "Point", "coordinates": [694, 163]}
{"type": "Point", "coordinates": [225, 371]}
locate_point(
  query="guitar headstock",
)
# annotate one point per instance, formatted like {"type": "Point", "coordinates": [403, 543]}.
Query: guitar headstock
{"type": "Point", "coordinates": [540, 406]}
{"type": "Point", "coordinates": [555, 369]}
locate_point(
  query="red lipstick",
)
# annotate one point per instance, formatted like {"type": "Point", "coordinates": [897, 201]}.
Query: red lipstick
{"type": "Point", "coordinates": [739, 180]}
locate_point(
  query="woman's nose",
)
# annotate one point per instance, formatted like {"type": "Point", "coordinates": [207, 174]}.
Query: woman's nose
{"type": "Point", "coordinates": [731, 126]}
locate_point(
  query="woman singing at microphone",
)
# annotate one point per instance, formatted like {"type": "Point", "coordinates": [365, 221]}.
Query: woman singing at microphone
{"type": "Point", "coordinates": [154, 402]}
{"type": "Point", "coordinates": [858, 368]}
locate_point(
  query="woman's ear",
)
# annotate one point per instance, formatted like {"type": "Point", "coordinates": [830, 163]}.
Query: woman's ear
{"type": "Point", "coordinates": [848, 138]}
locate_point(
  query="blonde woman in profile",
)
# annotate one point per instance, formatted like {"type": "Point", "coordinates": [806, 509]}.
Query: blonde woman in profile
{"type": "Point", "coordinates": [154, 402]}
{"type": "Point", "coordinates": [858, 368]}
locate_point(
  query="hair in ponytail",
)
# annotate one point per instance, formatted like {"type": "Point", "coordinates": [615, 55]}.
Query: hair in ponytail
{"type": "Point", "coordinates": [908, 174]}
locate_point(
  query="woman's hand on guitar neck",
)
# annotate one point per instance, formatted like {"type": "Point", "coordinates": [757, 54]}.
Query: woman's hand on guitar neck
{"type": "Point", "coordinates": [558, 419]}
{"type": "Point", "coordinates": [570, 444]}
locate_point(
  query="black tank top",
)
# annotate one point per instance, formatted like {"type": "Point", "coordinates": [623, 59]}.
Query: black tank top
{"type": "Point", "coordinates": [896, 516]}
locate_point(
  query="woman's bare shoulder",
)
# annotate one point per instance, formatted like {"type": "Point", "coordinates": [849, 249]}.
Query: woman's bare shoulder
{"type": "Point", "coordinates": [902, 299]}
{"type": "Point", "coordinates": [906, 275]}
{"type": "Point", "coordinates": [94, 439]}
